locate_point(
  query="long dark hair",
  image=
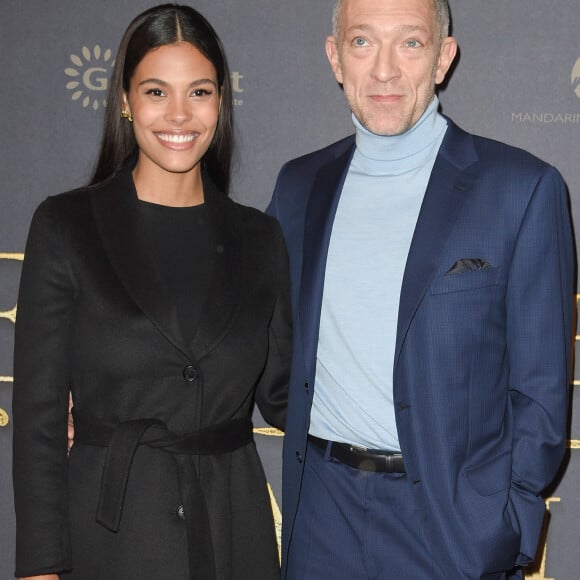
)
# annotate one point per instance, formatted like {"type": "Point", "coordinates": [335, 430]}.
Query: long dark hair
{"type": "Point", "coordinates": [159, 26]}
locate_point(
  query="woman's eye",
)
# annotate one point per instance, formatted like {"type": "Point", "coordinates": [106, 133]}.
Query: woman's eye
{"type": "Point", "coordinates": [201, 92]}
{"type": "Point", "coordinates": [155, 92]}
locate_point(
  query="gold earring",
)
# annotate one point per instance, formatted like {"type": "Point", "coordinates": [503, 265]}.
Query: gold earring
{"type": "Point", "coordinates": [127, 115]}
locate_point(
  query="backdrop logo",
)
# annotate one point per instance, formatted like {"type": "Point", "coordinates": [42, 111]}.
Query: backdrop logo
{"type": "Point", "coordinates": [90, 76]}
{"type": "Point", "coordinates": [576, 78]}
{"type": "Point", "coordinates": [551, 117]}
{"type": "Point", "coordinates": [237, 89]}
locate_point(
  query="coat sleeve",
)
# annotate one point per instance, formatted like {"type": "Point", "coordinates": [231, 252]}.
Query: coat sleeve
{"type": "Point", "coordinates": [40, 400]}
{"type": "Point", "coordinates": [539, 330]}
{"type": "Point", "coordinates": [272, 389]}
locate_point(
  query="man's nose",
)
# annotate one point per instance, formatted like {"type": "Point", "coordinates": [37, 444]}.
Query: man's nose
{"type": "Point", "coordinates": [386, 64]}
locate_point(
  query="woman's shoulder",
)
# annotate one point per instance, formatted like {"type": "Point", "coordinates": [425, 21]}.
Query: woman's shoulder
{"type": "Point", "coordinates": [69, 211]}
{"type": "Point", "coordinates": [75, 200]}
{"type": "Point", "coordinates": [71, 203]}
{"type": "Point", "coordinates": [255, 219]}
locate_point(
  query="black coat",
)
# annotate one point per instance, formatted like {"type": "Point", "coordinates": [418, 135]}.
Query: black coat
{"type": "Point", "coordinates": [93, 318]}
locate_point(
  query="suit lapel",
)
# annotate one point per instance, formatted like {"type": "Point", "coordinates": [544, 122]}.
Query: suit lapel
{"type": "Point", "coordinates": [448, 187]}
{"type": "Point", "coordinates": [322, 205]}
{"type": "Point", "coordinates": [121, 230]}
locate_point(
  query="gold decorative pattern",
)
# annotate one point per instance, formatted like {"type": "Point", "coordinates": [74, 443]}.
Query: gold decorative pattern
{"type": "Point", "coordinates": [577, 337]}
{"type": "Point", "coordinates": [541, 573]}
{"type": "Point", "coordinates": [4, 419]}
{"type": "Point", "coordinates": [270, 431]}
{"type": "Point", "coordinates": [10, 314]}
{"type": "Point", "coordinates": [277, 520]}
{"type": "Point", "coordinates": [276, 513]}
{"type": "Point", "coordinates": [573, 443]}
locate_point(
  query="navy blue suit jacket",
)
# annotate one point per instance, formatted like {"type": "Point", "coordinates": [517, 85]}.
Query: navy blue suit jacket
{"type": "Point", "coordinates": [481, 368]}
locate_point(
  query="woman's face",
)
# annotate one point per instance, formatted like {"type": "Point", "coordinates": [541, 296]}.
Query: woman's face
{"type": "Point", "coordinates": [174, 101]}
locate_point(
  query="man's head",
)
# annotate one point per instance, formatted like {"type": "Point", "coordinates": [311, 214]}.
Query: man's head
{"type": "Point", "coordinates": [389, 55]}
{"type": "Point", "coordinates": [441, 11]}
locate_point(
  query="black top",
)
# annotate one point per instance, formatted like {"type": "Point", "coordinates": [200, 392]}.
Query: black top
{"type": "Point", "coordinates": [181, 239]}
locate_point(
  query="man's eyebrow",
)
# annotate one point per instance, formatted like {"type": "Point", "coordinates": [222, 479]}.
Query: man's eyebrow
{"type": "Point", "coordinates": [360, 28]}
{"type": "Point", "coordinates": [408, 28]}
{"type": "Point", "coordinates": [404, 28]}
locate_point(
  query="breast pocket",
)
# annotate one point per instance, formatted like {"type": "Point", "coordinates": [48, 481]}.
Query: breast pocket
{"type": "Point", "coordinates": [470, 280]}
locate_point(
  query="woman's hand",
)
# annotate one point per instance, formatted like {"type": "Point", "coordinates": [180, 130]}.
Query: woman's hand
{"type": "Point", "coordinates": [43, 577]}
{"type": "Point", "coordinates": [71, 427]}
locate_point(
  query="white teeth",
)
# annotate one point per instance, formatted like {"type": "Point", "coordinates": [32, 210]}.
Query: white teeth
{"type": "Point", "coordinates": [176, 138]}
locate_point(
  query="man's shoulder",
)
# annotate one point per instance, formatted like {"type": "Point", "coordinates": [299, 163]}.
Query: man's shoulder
{"type": "Point", "coordinates": [492, 150]}
{"type": "Point", "coordinates": [494, 154]}
{"type": "Point", "coordinates": [313, 161]}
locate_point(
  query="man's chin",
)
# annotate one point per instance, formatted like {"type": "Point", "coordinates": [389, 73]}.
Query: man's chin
{"type": "Point", "coordinates": [385, 128]}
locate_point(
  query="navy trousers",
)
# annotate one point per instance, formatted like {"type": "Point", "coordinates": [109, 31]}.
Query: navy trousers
{"type": "Point", "coordinates": [357, 525]}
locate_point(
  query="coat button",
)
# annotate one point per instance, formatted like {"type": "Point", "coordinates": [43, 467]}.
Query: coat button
{"type": "Point", "coordinates": [180, 512]}
{"type": "Point", "coordinates": [190, 374]}
{"type": "Point", "coordinates": [298, 456]}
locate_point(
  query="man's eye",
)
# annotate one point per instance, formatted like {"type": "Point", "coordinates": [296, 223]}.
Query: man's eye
{"type": "Point", "coordinates": [359, 41]}
{"type": "Point", "coordinates": [412, 43]}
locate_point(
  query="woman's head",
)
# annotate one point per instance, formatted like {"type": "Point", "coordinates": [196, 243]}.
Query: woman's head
{"type": "Point", "coordinates": [157, 27]}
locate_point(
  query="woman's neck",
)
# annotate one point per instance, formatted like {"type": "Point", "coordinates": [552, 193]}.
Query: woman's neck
{"type": "Point", "coordinates": [162, 187]}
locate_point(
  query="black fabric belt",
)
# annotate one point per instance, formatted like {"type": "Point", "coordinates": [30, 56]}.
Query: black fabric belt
{"type": "Point", "coordinates": [122, 440]}
{"type": "Point", "coordinates": [361, 457]}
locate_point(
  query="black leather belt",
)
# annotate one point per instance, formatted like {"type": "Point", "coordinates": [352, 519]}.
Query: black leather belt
{"type": "Point", "coordinates": [361, 457]}
{"type": "Point", "coordinates": [122, 440]}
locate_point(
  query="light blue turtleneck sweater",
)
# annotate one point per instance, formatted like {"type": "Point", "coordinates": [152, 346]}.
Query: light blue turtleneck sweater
{"type": "Point", "coordinates": [370, 241]}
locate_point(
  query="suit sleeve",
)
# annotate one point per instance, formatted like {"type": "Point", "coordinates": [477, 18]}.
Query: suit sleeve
{"type": "Point", "coordinates": [539, 330]}
{"type": "Point", "coordinates": [40, 400]}
{"type": "Point", "coordinates": [272, 208]}
{"type": "Point", "coordinates": [272, 389]}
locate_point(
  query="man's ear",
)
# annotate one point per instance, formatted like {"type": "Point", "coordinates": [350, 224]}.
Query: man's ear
{"type": "Point", "coordinates": [447, 54]}
{"type": "Point", "coordinates": [333, 58]}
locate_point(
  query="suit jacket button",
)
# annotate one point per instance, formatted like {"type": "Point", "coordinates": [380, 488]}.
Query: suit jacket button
{"type": "Point", "coordinates": [190, 374]}
{"type": "Point", "coordinates": [299, 456]}
{"type": "Point", "coordinates": [180, 512]}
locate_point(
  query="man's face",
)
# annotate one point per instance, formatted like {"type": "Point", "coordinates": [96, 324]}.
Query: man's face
{"type": "Point", "coordinates": [389, 56]}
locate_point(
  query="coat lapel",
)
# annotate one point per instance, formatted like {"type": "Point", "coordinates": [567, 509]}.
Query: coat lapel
{"type": "Point", "coordinates": [122, 233]}
{"type": "Point", "coordinates": [224, 286]}
{"type": "Point", "coordinates": [322, 205]}
{"type": "Point", "coordinates": [448, 187]}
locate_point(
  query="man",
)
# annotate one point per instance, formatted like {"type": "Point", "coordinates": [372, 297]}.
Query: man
{"type": "Point", "coordinates": [432, 291]}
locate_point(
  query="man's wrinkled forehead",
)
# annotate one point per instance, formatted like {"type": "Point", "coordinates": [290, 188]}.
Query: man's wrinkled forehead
{"type": "Point", "coordinates": [438, 11]}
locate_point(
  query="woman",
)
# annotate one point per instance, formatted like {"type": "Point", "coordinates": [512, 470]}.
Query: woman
{"type": "Point", "coordinates": [164, 308]}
